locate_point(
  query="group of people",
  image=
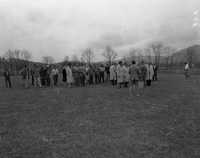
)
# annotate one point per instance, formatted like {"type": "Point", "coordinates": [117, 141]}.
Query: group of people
{"type": "Point", "coordinates": [135, 76]}
{"type": "Point", "coordinates": [121, 74]}
{"type": "Point", "coordinates": [39, 76]}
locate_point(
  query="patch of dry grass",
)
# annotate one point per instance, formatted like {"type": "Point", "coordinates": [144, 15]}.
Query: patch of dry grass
{"type": "Point", "coordinates": [102, 122]}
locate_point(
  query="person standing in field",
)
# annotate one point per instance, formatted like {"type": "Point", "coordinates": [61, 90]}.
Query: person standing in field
{"type": "Point", "coordinates": [7, 78]}
{"type": "Point", "coordinates": [149, 74]}
{"type": "Point", "coordinates": [102, 71]}
{"type": "Point", "coordinates": [90, 73]}
{"type": "Point", "coordinates": [54, 76]}
{"type": "Point", "coordinates": [155, 72]}
{"type": "Point", "coordinates": [97, 74]}
{"type": "Point", "coordinates": [37, 78]}
{"type": "Point", "coordinates": [142, 70]}
{"type": "Point", "coordinates": [82, 75]}
{"type": "Point", "coordinates": [69, 75]}
{"type": "Point", "coordinates": [64, 74]}
{"type": "Point", "coordinates": [32, 73]}
{"type": "Point", "coordinates": [125, 75]}
{"type": "Point", "coordinates": [186, 70]}
{"type": "Point", "coordinates": [107, 71]}
{"type": "Point", "coordinates": [25, 76]}
{"type": "Point", "coordinates": [133, 72]}
{"type": "Point", "coordinates": [119, 74]}
{"type": "Point", "coordinates": [47, 77]}
{"type": "Point", "coordinates": [113, 75]}
{"type": "Point", "coordinates": [42, 76]}
{"type": "Point", "coordinates": [87, 77]}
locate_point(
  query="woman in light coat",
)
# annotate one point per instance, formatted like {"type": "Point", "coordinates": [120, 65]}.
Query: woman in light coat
{"type": "Point", "coordinates": [120, 74]}
{"type": "Point", "coordinates": [125, 75]}
{"type": "Point", "coordinates": [113, 74]}
{"type": "Point", "coordinates": [150, 73]}
{"type": "Point", "coordinates": [69, 75]}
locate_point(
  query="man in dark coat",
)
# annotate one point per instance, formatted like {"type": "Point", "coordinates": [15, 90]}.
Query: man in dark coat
{"type": "Point", "coordinates": [7, 78]}
{"type": "Point", "coordinates": [155, 75]}
{"type": "Point", "coordinates": [64, 74]}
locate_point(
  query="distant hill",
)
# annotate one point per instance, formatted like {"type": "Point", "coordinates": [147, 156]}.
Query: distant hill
{"type": "Point", "coordinates": [181, 56]}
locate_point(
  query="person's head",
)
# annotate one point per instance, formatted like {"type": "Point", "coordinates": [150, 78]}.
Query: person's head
{"type": "Point", "coordinates": [120, 62]}
{"type": "Point", "coordinates": [133, 62]}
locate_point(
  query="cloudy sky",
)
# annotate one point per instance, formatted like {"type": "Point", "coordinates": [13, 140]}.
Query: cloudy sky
{"type": "Point", "coordinates": [66, 27]}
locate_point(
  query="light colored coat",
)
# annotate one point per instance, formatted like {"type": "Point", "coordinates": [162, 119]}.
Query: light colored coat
{"type": "Point", "coordinates": [150, 72]}
{"type": "Point", "coordinates": [119, 74]}
{"type": "Point", "coordinates": [125, 74]}
{"type": "Point", "coordinates": [113, 75]}
{"type": "Point", "coordinates": [69, 74]}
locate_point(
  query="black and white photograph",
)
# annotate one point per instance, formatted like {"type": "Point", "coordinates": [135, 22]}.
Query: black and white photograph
{"type": "Point", "coordinates": [99, 78]}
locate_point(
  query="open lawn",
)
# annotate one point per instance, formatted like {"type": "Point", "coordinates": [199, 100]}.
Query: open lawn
{"type": "Point", "coordinates": [102, 122]}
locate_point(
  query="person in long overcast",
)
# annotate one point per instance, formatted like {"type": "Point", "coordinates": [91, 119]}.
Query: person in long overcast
{"type": "Point", "coordinates": [7, 78]}
{"type": "Point", "coordinates": [133, 72]}
{"type": "Point", "coordinates": [90, 72]}
{"type": "Point", "coordinates": [155, 72]}
{"type": "Point", "coordinates": [96, 71]}
{"type": "Point", "coordinates": [82, 76]}
{"type": "Point", "coordinates": [107, 72]}
{"type": "Point", "coordinates": [42, 76]}
{"type": "Point", "coordinates": [37, 78]}
{"type": "Point", "coordinates": [25, 76]}
{"type": "Point", "coordinates": [119, 74]}
{"type": "Point", "coordinates": [48, 73]}
{"type": "Point", "coordinates": [69, 75]}
{"type": "Point", "coordinates": [125, 74]}
{"type": "Point", "coordinates": [149, 74]}
{"type": "Point", "coordinates": [102, 71]}
{"type": "Point", "coordinates": [142, 70]}
{"type": "Point", "coordinates": [54, 76]}
{"type": "Point", "coordinates": [32, 71]}
{"type": "Point", "coordinates": [64, 74]}
{"type": "Point", "coordinates": [113, 74]}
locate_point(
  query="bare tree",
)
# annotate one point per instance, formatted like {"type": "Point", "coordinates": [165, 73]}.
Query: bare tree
{"type": "Point", "coordinates": [18, 54]}
{"type": "Point", "coordinates": [87, 55]}
{"type": "Point", "coordinates": [66, 58]}
{"type": "Point", "coordinates": [74, 58]}
{"type": "Point", "coordinates": [109, 54]}
{"type": "Point", "coordinates": [168, 51]}
{"type": "Point", "coordinates": [25, 54]}
{"type": "Point", "coordinates": [48, 59]}
{"type": "Point", "coordinates": [140, 57]}
{"type": "Point", "coordinates": [157, 50]}
{"type": "Point", "coordinates": [190, 56]}
{"type": "Point", "coordinates": [9, 54]}
{"type": "Point", "coordinates": [133, 54]}
{"type": "Point", "coordinates": [148, 54]}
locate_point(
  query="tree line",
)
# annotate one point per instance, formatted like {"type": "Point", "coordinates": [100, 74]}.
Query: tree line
{"type": "Point", "coordinates": [156, 53]}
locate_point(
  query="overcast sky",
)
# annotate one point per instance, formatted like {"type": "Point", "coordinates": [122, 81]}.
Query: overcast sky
{"type": "Point", "coordinates": [65, 27]}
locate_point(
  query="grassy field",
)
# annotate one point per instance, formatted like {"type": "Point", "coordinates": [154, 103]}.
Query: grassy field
{"type": "Point", "coordinates": [102, 122]}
